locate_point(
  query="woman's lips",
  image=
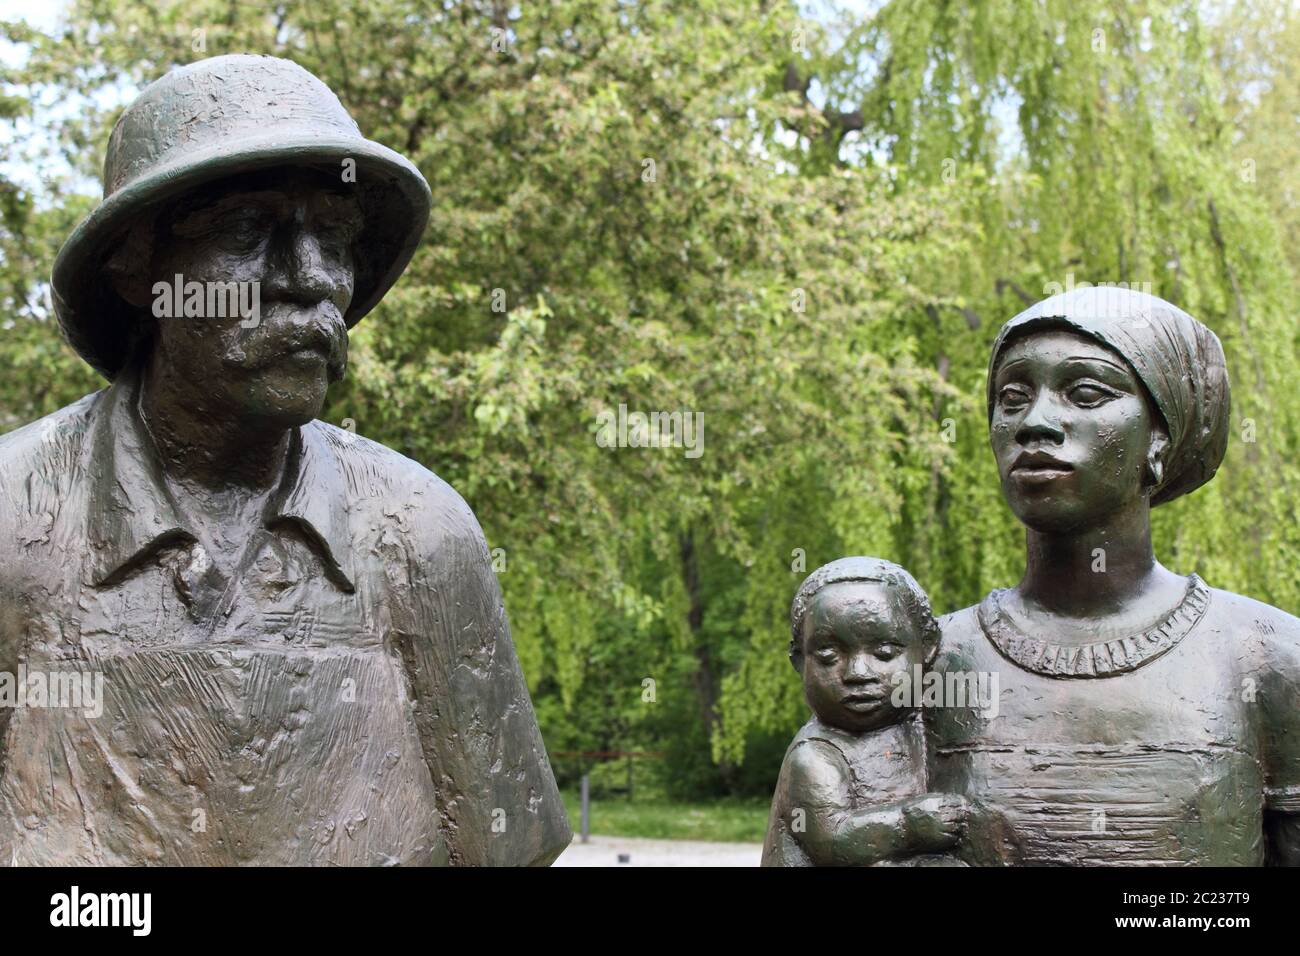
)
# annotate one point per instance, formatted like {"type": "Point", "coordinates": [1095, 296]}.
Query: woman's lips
{"type": "Point", "coordinates": [1036, 467]}
{"type": "Point", "coordinates": [1039, 474]}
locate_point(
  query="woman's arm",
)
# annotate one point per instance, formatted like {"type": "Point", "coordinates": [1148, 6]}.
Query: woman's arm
{"type": "Point", "coordinates": [1279, 697]}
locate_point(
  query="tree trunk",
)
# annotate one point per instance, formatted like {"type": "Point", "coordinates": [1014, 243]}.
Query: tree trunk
{"type": "Point", "coordinates": [705, 678]}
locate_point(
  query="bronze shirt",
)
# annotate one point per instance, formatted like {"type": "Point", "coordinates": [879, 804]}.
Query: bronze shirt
{"type": "Point", "coordinates": [349, 695]}
{"type": "Point", "coordinates": [1165, 748]}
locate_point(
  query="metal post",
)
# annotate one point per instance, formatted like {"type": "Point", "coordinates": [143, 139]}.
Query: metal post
{"type": "Point", "coordinates": [586, 807]}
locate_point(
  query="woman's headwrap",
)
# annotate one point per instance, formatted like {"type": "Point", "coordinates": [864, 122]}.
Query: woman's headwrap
{"type": "Point", "coordinates": [1177, 359]}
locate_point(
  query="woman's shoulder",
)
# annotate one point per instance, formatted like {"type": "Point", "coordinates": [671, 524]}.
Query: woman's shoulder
{"type": "Point", "coordinates": [1265, 640]}
{"type": "Point", "coordinates": [1229, 611]}
{"type": "Point", "coordinates": [1243, 619]}
{"type": "Point", "coordinates": [960, 634]}
{"type": "Point", "coordinates": [960, 622]}
{"type": "Point", "coordinates": [1241, 606]}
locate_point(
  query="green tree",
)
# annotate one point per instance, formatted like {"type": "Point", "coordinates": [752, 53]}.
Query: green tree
{"type": "Point", "coordinates": [1093, 141]}
{"type": "Point", "coordinates": [806, 232]}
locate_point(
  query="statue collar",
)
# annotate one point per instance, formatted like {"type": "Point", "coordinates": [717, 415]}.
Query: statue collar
{"type": "Point", "coordinates": [132, 515]}
{"type": "Point", "coordinates": [1100, 658]}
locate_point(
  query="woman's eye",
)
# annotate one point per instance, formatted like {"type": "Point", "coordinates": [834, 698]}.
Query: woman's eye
{"type": "Point", "coordinates": [1013, 397]}
{"type": "Point", "coordinates": [1090, 395]}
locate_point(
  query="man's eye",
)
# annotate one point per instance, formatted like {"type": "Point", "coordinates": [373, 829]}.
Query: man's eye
{"type": "Point", "coordinates": [1089, 396]}
{"type": "Point", "coordinates": [338, 229]}
{"type": "Point", "coordinates": [245, 225]}
{"type": "Point", "coordinates": [337, 236]}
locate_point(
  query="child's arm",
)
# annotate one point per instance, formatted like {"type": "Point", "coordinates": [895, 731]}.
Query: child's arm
{"type": "Point", "coordinates": [832, 835]}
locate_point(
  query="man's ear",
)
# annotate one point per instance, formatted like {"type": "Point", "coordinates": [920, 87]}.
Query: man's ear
{"type": "Point", "coordinates": [128, 268]}
{"type": "Point", "coordinates": [1156, 452]}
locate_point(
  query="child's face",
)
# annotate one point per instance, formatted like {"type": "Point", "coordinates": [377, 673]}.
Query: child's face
{"type": "Point", "coordinates": [855, 639]}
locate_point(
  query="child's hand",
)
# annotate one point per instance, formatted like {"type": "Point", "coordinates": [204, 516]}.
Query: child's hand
{"type": "Point", "coordinates": [934, 822]}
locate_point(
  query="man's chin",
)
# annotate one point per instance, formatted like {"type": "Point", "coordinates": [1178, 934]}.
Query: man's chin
{"type": "Point", "coordinates": [288, 417]}
{"type": "Point", "coordinates": [286, 399]}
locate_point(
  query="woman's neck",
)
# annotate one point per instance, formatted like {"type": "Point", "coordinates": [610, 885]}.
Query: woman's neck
{"type": "Point", "coordinates": [1100, 570]}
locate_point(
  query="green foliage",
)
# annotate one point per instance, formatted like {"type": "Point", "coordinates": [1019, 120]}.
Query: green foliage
{"type": "Point", "coordinates": [729, 820]}
{"type": "Point", "coordinates": [639, 204]}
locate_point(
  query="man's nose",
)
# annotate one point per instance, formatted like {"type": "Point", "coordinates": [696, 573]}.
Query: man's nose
{"type": "Point", "coordinates": [298, 269]}
{"type": "Point", "coordinates": [1041, 422]}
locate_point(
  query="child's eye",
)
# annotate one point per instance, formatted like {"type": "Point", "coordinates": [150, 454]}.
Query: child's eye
{"type": "Point", "coordinates": [826, 655]}
{"type": "Point", "coordinates": [887, 652]}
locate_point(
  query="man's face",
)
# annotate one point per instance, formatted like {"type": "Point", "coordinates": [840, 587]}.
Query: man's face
{"type": "Point", "coordinates": [286, 237]}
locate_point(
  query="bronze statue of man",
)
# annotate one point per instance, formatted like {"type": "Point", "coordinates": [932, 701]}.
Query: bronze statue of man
{"type": "Point", "coordinates": [1144, 717]}
{"type": "Point", "coordinates": [304, 654]}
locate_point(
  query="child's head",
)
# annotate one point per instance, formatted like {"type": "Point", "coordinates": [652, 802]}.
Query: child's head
{"type": "Point", "coordinates": [855, 624]}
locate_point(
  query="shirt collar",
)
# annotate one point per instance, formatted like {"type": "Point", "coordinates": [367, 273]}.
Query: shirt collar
{"type": "Point", "coordinates": [132, 515]}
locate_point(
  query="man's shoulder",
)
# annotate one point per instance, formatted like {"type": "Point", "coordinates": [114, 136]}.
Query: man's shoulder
{"type": "Point", "coordinates": [385, 482]}
{"type": "Point", "coordinates": [47, 445]}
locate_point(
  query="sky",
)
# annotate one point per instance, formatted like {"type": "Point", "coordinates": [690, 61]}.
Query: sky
{"type": "Point", "coordinates": [43, 14]}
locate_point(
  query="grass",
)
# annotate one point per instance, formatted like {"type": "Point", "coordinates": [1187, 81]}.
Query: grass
{"type": "Point", "coordinates": [727, 820]}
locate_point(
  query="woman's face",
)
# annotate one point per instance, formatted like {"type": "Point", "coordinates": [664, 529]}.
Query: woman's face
{"type": "Point", "coordinates": [1071, 431]}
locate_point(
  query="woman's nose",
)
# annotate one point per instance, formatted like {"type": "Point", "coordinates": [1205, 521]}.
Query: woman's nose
{"type": "Point", "coordinates": [1041, 421]}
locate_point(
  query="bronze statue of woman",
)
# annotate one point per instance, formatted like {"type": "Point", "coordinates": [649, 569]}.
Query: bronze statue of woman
{"type": "Point", "coordinates": [1144, 716]}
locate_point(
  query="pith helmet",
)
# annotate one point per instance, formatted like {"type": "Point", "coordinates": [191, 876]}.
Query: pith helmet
{"type": "Point", "coordinates": [209, 120]}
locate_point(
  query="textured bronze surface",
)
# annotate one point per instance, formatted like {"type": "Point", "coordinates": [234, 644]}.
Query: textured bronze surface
{"type": "Point", "coordinates": [1142, 716]}
{"type": "Point", "coordinates": [301, 642]}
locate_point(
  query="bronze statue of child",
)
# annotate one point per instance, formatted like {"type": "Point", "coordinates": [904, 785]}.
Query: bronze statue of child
{"type": "Point", "coordinates": [852, 789]}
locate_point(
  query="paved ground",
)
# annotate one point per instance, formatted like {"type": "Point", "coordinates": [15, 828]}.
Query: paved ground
{"type": "Point", "coordinates": [605, 851]}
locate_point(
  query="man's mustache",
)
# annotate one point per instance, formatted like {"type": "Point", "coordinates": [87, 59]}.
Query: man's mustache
{"type": "Point", "coordinates": [289, 326]}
